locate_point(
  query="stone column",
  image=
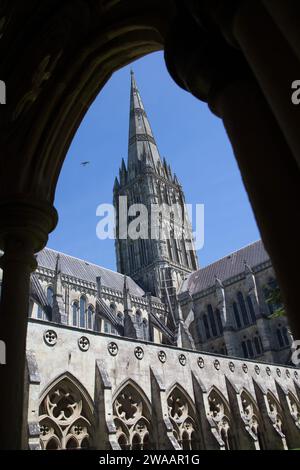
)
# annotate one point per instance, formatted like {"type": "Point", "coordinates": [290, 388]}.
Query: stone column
{"type": "Point", "coordinates": [286, 15]}
{"type": "Point", "coordinates": [216, 73]}
{"type": "Point", "coordinates": [274, 64]}
{"type": "Point", "coordinates": [24, 229]}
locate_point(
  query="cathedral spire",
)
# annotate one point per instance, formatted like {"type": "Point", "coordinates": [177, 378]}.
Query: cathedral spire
{"type": "Point", "coordinates": [141, 138]}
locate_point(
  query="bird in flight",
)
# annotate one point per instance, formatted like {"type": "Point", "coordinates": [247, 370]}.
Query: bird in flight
{"type": "Point", "coordinates": [85, 163]}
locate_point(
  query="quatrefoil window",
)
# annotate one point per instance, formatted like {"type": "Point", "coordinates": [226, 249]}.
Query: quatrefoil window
{"type": "Point", "coordinates": [84, 343]}
{"type": "Point", "coordinates": [50, 337]}
{"type": "Point", "coordinates": [113, 349]}
{"type": "Point", "coordinates": [139, 353]}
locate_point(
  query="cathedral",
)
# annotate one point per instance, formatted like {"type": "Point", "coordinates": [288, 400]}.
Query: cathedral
{"type": "Point", "coordinates": [164, 353]}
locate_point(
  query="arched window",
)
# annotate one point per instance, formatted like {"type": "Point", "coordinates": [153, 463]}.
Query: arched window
{"type": "Point", "coordinates": [132, 418]}
{"type": "Point", "coordinates": [40, 312]}
{"type": "Point", "coordinates": [285, 335]}
{"type": "Point", "coordinates": [145, 329]}
{"type": "Point", "coordinates": [75, 309]}
{"type": "Point", "coordinates": [257, 344]}
{"type": "Point", "coordinates": [65, 417]}
{"type": "Point", "coordinates": [90, 315]}
{"type": "Point", "coordinates": [236, 315]}
{"type": "Point", "coordinates": [219, 321]}
{"type": "Point", "coordinates": [212, 320]}
{"type": "Point", "coordinates": [219, 412]}
{"type": "Point", "coordinates": [250, 348]}
{"type": "Point", "coordinates": [138, 315]}
{"type": "Point", "coordinates": [280, 338]}
{"type": "Point", "coordinates": [82, 311]}
{"type": "Point", "coordinates": [206, 327]}
{"type": "Point", "coordinates": [245, 349]}
{"type": "Point", "coordinates": [252, 417]}
{"type": "Point", "coordinates": [183, 418]}
{"type": "Point", "coordinates": [243, 308]}
{"type": "Point", "coordinates": [50, 296]}
{"type": "Point", "coordinates": [251, 309]}
{"type": "Point", "coordinates": [120, 317]}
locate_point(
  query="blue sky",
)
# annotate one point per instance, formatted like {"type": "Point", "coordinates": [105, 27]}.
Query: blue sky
{"type": "Point", "coordinates": [191, 138]}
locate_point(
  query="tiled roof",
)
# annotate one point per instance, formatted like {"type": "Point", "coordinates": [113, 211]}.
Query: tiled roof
{"type": "Point", "coordinates": [86, 271]}
{"type": "Point", "coordinates": [226, 268]}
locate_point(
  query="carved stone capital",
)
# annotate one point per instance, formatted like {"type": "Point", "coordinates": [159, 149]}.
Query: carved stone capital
{"type": "Point", "coordinates": [201, 61]}
{"type": "Point", "coordinates": [25, 225]}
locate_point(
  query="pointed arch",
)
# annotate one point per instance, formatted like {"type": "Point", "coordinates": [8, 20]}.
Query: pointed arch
{"type": "Point", "coordinates": [183, 417]}
{"type": "Point", "coordinates": [252, 417]}
{"type": "Point", "coordinates": [219, 412]}
{"type": "Point", "coordinates": [66, 414]}
{"type": "Point", "coordinates": [132, 417]}
{"type": "Point", "coordinates": [275, 412]}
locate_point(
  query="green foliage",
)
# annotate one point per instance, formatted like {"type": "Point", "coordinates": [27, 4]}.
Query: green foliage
{"type": "Point", "coordinates": [275, 300]}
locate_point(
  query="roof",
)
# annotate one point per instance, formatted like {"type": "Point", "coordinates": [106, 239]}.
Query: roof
{"type": "Point", "coordinates": [86, 271]}
{"type": "Point", "coordinates": [226, 268]}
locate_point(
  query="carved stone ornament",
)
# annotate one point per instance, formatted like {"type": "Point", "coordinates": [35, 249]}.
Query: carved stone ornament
{"type": "Point", "coordinates": [50, 337]}
{"type": "Point", "coordinates": [182, 359]}
{"type": "Point", "coordinates": [139, 353]}
{"type": "Point", "coordinates": [84, 343]}
{"type": "Point", "coordinates": [113, 349]}
{"type": "Point", "coordinates": [162, 356]}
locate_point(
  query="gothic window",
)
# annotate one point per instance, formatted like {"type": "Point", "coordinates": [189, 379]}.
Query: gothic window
{"type": "Point", "coordinates": [251, 309]}
{"type": "Point", "coordinates": [275, 413]}
{"type": "Point", "coordinates": [294, 407]}
{"type": "Point", "coordinates": [40, 312]}
{"type": "Point", "coordinates": [206, 327]}
{"type": "Point", "coordinates": [145, 330]}
{"type": "Point", "coordinates": [82, 309]}
{"type": "Point", "coordinates": [138, 315]}
{"type": "Point", "coordinates": [132, 418]}
{"type": "Point", "coordinates": [243, 308]}
{"type": "Point", "coordinates": [236, 315]}
{"type": "Point", "coordinates": [250, 348]}
{"type": "Point", "coordinates": [183, 252]}
{"type": "Point", "coordinates": [75, 309]}
{"type": "Point", "coordinates": [285, 336]}
{"type": "Point", "coordinates": [50, 296]}
{"type": "Point", "coordinates": [282, 336]}
{"type": "Point", "coordinates": [90, 317]}
{"type": "Point", "coordinates": [245, 349]}
{"type": "Point", "coordinates": [220, 414]}
{"type": "Point", "coordinates": [120, 317]}
{"type": "Point", "coordinates": [251, 417]}
{"type": "Point", "coordinates": [212, 320]}
{"type": "Point", "coordinates": [219, 321]}
{"type": "Point", "coordinates": [169, 250]}
{"type": "Point", "coordinates": [257, 345]}
{"type": "Point", "coordinates": [65, 418]}
{"type": "Point", "coordinates": [183, 419]}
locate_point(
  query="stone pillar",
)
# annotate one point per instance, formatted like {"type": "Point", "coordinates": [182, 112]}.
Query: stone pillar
{"type": "Point", "coordinates": [24, 229]}
{"type": "Point", "coordinates": [218, 74]}
{"type": "Point", "coordinates": [274, 64]}
{"type": "Point", "coordinates": [286, 15]}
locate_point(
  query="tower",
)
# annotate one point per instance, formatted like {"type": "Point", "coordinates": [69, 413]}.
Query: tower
{"type": "Point", "coordinates": [163, 253]}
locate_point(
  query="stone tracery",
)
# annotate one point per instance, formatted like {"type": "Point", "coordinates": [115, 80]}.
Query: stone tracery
{"type": "Point", "coordinates": [183, 420]}
{"type": "Point", "coordinates": [132, 420]}
{"type": "Point", "coordinates": [65, 418]}
{"type": "Point", "coordinates": [220, 414]}
{"type": "Point", "coordinates": [251, 417]}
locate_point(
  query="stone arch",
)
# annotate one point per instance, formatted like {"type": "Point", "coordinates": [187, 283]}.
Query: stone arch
{"type": "Point", "coordinates": [132, 416]}
{"type": "Point", "coordinates": [66, 415]}
{"type": "Point", "coordinates": [183, 417]}
{"type": "Point", "coordinates": [276, 413]}
{"type": "Point", "coordinates": [220, 414]}
{"type": "Point", "coordinates": [252, 417]}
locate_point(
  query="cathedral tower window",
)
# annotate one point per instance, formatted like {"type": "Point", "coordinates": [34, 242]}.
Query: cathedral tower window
{"type": "Point", "coordinates": [219, 321]}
